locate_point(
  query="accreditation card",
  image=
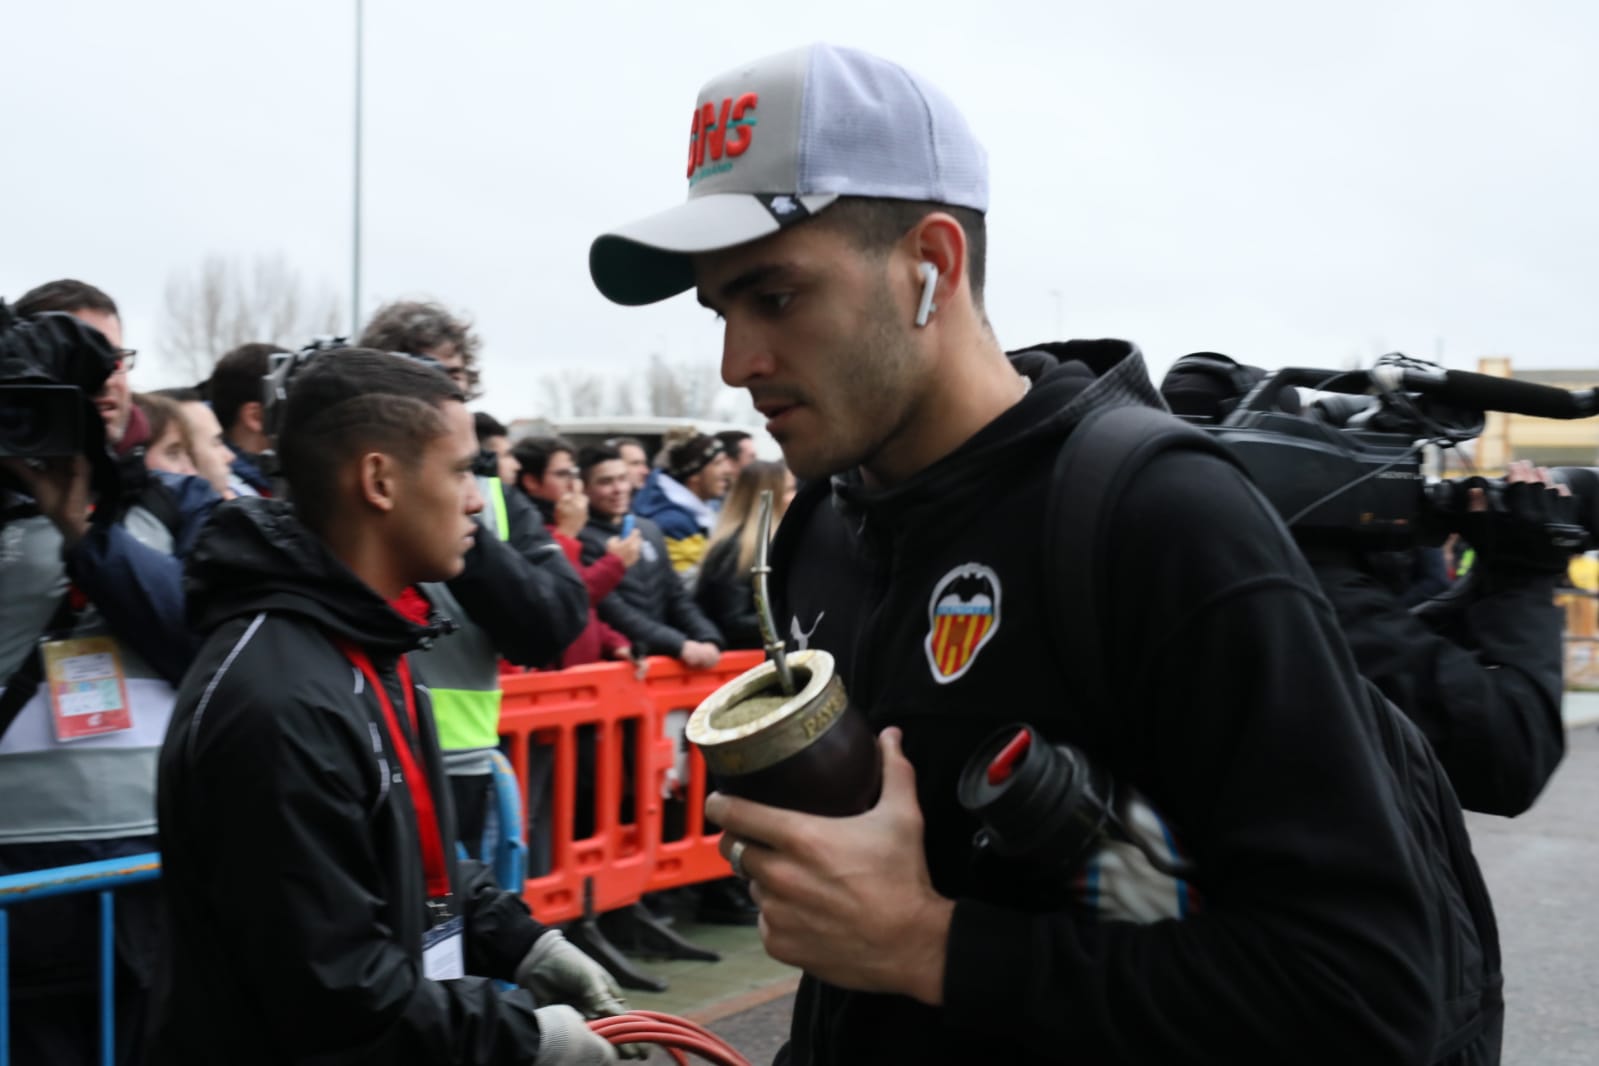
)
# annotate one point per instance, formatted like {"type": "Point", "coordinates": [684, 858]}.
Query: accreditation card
{"type": "Point", "coordinates": [87, 687]}
{"type": "Point", "coordinates": [443, 957]}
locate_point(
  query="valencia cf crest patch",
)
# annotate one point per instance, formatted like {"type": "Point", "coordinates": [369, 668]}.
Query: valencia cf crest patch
{"type": "Point", "coordinates": [963, 617]}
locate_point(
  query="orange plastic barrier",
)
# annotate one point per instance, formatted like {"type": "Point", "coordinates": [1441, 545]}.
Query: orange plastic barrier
{"type": "Point", "coordinates": [625, 855]}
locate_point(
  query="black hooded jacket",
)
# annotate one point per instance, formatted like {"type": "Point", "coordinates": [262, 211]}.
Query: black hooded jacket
{"type": "Point", "coordinates": [1476, 665]}
{"type": "Point", "coordinates": [521, 590]}
{"type": "Point", "coordinates": [1238, 713]}
{"type": "Point", "coordinates": [1478, 668]}
{"type": "Point", "coordinates": [652, 607]}
{"type": "Point", "coordinates": [726, 595]}
{"type": "Point", "coordinates": [292, 875]}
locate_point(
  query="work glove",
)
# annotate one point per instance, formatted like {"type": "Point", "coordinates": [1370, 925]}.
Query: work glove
{"type": "Point", "coordinates": [566, 1040]}
{"type": "Point", "coordinates": [557, 971]}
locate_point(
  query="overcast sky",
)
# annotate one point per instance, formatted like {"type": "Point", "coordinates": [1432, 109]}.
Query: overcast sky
{"type": "Point", "coordinates": [1285, 182]}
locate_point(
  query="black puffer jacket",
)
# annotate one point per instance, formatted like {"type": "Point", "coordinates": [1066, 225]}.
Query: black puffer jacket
{"type": "Point", "coordinates": [651, 607]}
{"type": "Point", "coordinates": [292, 877]}
{"type": "Point", "coordinates": [521, 590]}
{"type": "Point", "coordinates": [727, 596]}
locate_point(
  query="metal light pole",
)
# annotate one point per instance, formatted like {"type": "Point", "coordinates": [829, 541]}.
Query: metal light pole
{"type": "Point", "coordinates": [355, 243]}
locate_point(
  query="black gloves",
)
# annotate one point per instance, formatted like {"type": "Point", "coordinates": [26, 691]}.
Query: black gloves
{"type": "Point", "coordinates": [1526, 525]}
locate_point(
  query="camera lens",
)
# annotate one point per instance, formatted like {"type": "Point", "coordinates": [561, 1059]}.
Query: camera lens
{"type": "Point", "coordinates": [22, 428]}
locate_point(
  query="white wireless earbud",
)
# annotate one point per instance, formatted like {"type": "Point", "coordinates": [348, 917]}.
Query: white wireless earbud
{"type": "Point", "coordinates": [929, 274]}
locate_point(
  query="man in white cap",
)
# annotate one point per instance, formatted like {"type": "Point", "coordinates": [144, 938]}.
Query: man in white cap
{"type": "Point", "coordinates": [836, 222]}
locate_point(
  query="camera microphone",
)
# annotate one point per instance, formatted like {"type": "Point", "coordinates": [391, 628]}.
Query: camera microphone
{"type": "Point", "coordinates": [1484, 392]}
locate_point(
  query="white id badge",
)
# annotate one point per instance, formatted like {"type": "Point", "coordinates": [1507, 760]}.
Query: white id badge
{"type": "Point", "coordinates": [443, 954]}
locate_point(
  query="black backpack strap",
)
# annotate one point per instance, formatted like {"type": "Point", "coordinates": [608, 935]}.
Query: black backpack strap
{"type": "Point", "coordinates": [1096, 463]}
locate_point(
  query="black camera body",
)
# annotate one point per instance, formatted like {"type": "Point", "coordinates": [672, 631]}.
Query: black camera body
{"type": "Point", "coordinates": [284, 366]}
{"type": "Point", "coordinates": [51, 368]}
{"type": "Point", "coordinates": [1348, 471]}
{"type": "Point", "coordinates": [281, 370]}
{"type": "Point", "coordinates": [1299, 464]}
{"type": "Point", "coordinates": [40, 421]}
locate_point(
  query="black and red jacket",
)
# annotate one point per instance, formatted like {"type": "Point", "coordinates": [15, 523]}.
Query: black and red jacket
{"type": "Point", "coordinates": [292, 876]}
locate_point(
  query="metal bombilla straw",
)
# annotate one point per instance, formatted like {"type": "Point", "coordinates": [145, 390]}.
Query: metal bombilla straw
{"type": "Point", "coordinates": [760, 574]}
{"type": "Point", "coordinates": [803, 748]}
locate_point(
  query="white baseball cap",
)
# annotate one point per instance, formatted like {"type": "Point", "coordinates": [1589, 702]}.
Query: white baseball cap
{"type": "Point", "coordinates": [777, 140]}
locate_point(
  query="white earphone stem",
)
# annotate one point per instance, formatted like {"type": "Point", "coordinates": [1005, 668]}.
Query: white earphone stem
{"type": "Point", "coordinates": [929, 274]}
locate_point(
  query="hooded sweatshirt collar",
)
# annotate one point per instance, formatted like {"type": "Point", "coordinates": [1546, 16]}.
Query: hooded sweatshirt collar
{"type": "Point", "coordinates": [255, 555]}
{"type": "Point", "coordinates": [1068, 378]}
{"type": "Point", "coordinates": [662, 491]}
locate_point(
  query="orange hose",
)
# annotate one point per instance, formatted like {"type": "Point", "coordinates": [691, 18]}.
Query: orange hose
{"type": "Point", "coordinates": [676, 1035]}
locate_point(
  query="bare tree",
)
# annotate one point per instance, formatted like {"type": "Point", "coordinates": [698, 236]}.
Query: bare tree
{"type": "Point", "coordinates": [702, 386]}
{"type": "Point", "coordinates": [625, 402]}
{"type": "Point", "coordinates": [587, 393]}
{"type": "Point", "coordinates": [663, 395]}
{"type": "Point", "coordinates": [554, 396]}
{"type": "Point", "coordinates": [681, 390]}
{"type": "Point", "coordinates": [575, 393]}
{"type": "Point", "coordinates": [552, 401]}
{"type": "Point", "coordinates": [226, 302]}
{"type": "Point", "coordinates": [666, 390]}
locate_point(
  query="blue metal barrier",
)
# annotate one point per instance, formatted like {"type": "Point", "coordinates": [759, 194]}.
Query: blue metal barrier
{"type": "Point", "coordinates": [504, 848]}
{"type": "Point", "coordinates": [102, 877]}
{"type": "Point", "coordinates": [504, 845]}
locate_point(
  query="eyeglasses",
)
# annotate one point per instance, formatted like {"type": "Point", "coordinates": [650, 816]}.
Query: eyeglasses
{"type": "Point", "coordinates": [126, 357]}
{"type": "Point", "coordinates": [565, 475]}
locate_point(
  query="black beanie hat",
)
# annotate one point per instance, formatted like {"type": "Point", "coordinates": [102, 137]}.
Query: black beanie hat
{"type": "Point", "coordinates": [693, 455]}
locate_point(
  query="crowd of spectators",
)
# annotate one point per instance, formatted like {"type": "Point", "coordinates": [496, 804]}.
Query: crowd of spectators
{"type": "Point", "coordinates": [566, 568]}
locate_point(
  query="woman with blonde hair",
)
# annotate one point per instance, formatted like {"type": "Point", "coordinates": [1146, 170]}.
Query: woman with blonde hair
{"type": "Point", "coordinates": [724, 591]}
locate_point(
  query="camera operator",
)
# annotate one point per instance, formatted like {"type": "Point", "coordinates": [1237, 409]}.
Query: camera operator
{"type": "Point", "coordinates": [1477, 668]}
{"type": "Point", "coordinates": [517, 597]}
{"type": "Point", "coordinates": [91, 556]}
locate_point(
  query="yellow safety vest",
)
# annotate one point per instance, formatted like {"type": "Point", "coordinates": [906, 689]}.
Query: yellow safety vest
{"type": "Point", "coordinates": [462, 670]}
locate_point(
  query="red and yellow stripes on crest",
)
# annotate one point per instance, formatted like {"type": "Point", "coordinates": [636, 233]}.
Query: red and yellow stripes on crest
{"type": "Point", "coordinates": [956, 637]}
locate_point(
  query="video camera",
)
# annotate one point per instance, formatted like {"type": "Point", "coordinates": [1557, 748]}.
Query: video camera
{"type": "Point", "coordinates": [1349, 468]}
{"type": "Point", "coordinates": [280, 373]}
{"type": "Point", "coordinates": [285, 365]}
{"type": "Point", "coordinates": [51, 367]}
{"type": "Point", "coordinates": [40, 421]}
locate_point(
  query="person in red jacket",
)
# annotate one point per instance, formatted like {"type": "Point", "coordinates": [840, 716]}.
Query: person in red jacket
{"type": "Point", "coordinates": [548, 476]}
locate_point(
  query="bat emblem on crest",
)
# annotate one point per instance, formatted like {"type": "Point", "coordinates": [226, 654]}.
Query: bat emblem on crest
{"type": "Point", "coordinates": [963, 616]}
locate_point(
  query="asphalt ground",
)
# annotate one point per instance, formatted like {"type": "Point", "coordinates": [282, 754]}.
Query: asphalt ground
{"type": "Point", "coordinates": [1542, 870]}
